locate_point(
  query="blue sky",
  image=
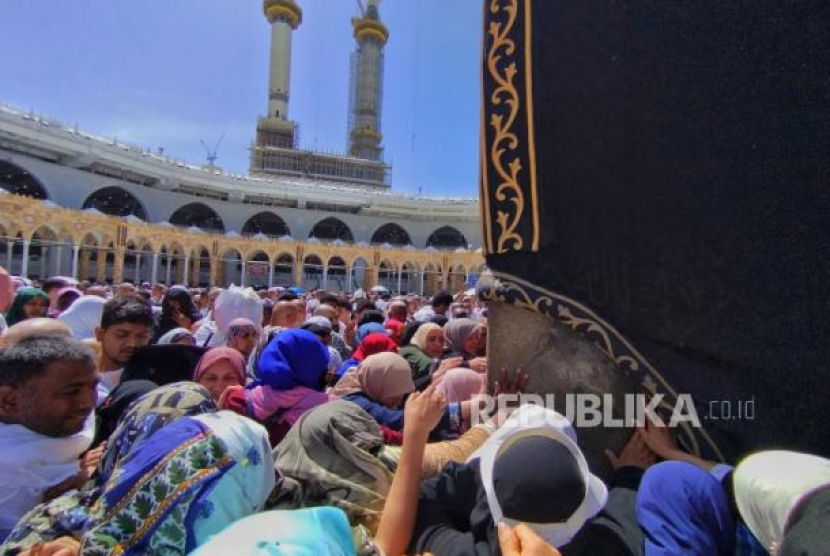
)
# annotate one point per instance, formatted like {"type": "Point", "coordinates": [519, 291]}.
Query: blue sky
{"type": "Point", "coordinates": [167, 73]}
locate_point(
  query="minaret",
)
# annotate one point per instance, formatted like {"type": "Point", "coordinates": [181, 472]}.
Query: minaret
{"type": "Point", "coordinates": [366, 88]}
{"type": "Point", "coordinates": [275, 129]}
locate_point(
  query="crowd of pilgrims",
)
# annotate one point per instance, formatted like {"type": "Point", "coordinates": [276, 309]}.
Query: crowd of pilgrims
{"type": "Point", "coordinates": [154, 420]}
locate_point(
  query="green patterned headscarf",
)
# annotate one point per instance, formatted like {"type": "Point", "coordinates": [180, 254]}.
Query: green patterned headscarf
{"type": "Point", "coordinates": [22, 298]}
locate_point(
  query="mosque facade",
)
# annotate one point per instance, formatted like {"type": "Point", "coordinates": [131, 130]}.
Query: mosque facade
{"type": "Point", "coordinates": [100, 209]}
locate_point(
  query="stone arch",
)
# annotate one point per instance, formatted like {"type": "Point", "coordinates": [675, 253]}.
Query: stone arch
{"type": "Point", "coordinates": [312, 271]}
{"type": "Point", "coordinates": [18, 180]}
{"type": "Point", "coordinates": [266, 223]}
{"type": "Point", "coordinates": [136, 260]}
{"type": "Point", "coordinates": [332, 229]}
{"type": "Point", "coordinates": [433, 278]}
{"type": "Point", "coordinates": [360, 274]}
{"type": "Point", "coordinates": [43, 243]}
{"type": "Point", "coordinates": [337, 273]}
{"type": "Point", "coordinates": [391, 233]}
{"type": "Point", "coordinates": [410, 278]}
{"type": "Point", "coordinates": [283, 269]}
{"type": "Point", "coordinates": [447, 237]}
{"type": "Point", "coordinates": [457, 278]}
{"type": "Point", "coordinates": [257, 268]}
{"type": "Point", "coordinates": [200, 266]}
{"type": "Point", "coordinates": [171, 261]}
{"type": "Point", "coordinates": [230, 267]}
{"type": "Point", "coordinates": [199, 215]}
{"type": "Point", "coordinates": [115, 201]}
{"type": "Point", "coordinates": [388, 275]}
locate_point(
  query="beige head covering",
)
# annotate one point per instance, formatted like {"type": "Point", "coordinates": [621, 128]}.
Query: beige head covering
{"type": "Point", "coordinates": [768, 487]}
{"type": "Point", "coordinates": [379, 376]}
{"type": "Point", "coordinates": [332, 457]}
{"type": "Point", "coordinates": [420, 337]}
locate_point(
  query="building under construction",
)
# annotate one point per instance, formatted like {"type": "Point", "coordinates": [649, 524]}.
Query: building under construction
{"type": "Point", "coordinates": [276, 147]}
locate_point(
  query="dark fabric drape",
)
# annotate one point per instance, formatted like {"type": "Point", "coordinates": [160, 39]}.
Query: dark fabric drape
{"type": "Point", "coordinates": [676, 157]}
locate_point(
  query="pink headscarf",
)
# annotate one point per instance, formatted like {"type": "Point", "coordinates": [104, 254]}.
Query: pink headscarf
{"type": "Point", "coordinates": [6, 290]}
{"type": "Point", "coordinates": [379, 376]}
{"type": "Point", "coordinates": [461, 384]}
{"type": "Point", "coordinates": [215, 355]}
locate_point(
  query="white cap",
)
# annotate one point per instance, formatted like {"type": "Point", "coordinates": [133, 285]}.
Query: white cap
{"type": "Point", "coordinates": [534, 420]}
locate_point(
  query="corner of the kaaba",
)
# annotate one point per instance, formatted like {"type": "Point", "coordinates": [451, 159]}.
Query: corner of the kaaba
{"type": "Point", "coordinates": [655, 213]}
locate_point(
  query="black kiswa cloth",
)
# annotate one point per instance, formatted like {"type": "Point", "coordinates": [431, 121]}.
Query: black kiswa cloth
{"type": "Point", "coordinates": [163, 364]}
{"type": "Point", "coordinates": [674, 181]}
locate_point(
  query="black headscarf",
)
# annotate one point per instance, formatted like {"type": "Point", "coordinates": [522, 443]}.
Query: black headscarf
{"type": "Point", "coordinates": [185, 302]}
{"type": "Point", "coordinates": [116, 404]}
{"type": "Point", "coordinates": [163, 364]}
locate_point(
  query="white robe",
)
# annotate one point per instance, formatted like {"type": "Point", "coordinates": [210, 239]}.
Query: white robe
{"type": "Point", "coordinates": [31, 463]}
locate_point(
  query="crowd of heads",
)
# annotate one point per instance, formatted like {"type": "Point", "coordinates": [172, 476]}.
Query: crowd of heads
{"type": "Point", "coordinates": [153, 419]}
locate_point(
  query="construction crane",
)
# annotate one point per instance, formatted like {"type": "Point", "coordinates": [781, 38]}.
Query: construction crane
{"type": "Point", "coordinates": [212, 154]}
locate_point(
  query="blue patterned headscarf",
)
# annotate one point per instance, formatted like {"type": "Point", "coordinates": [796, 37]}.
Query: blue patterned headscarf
{"type": "Point", "coordinates": [149, 413]}
{"type": "Point", "coordinates": [294, 358]}
{"type": "Point", "coordinates": [172, 492]}
{"type": "Point", "coordinates": [185, 484]}
{"type": "Point", "coordinates": [306, 532]}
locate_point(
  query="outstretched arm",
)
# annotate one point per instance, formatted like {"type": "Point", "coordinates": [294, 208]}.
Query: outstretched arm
{"type": "Point", "coordinates": [422, 413]}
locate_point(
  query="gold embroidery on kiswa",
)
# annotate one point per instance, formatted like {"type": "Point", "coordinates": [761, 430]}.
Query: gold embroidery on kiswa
{"type": "Point", "coordinates": [505, 152]}
{"type": "Point", "coordinates": [579, 318]}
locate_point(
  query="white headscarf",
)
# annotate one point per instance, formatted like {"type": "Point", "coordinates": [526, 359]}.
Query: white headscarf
{"type": "Point", "coordinates": [768, 487]}
{"type": "Point", "coordinates": [235, 303]}
{"type": "Point", "coordinates": [171, 335]}
{"type": "Point", "coordinates": [531, 420]}
{"type": "Point", "coordinates": [83, 316]}
{"type": "Point", "coordinates": [420, 337]}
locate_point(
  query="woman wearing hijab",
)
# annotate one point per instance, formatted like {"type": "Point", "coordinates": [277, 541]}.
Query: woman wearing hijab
{"type": "Point", "coordinates": [65, 298]}
{"type": "Point", "coordinates": [369, 328]}
{"type": "Point", "coordinates": [84, 316]}
{"type": "Point", "coordinates": [423, 355]}
{"type": "Point", "coordinates": [116, 404]}
{"type": "Point", "coordinates": [372, 344]}
{"type": "Point", "coordinates": [292, 371]}
{"type": "Point", "coordinates": [150, 412]}
{"type": "Point", "coordinates": [379, 386]}
{"type": "Point", "coordinates": [332, 456]}
{"type": "Point", "coordinates": [181, 336]}
{"type": "Point", "coordinates": [180, 487]}
{"type": "Point", "coordinates": [463, 339]}
{"type": "Point", "coordinates": [460, 384]}
{"type": "Point", "coordinates": [29, 303]}
{"type": "Point", "coordinates": [458, 510]}
{"type": "Point", "coordinates": [684, 509]}
{"type": "Point", "coordinates": [784, 499]}
{"type": "Point", "coordinates": [242, 336]}
{"type": "Point", "coordinates": [220, 369]}
{"type": "Point", "coordinates": [395, 328]}
{"type": "Point", "coordinates": [312, 531]}
{"type": "Point", "coordinates": [177, 311]}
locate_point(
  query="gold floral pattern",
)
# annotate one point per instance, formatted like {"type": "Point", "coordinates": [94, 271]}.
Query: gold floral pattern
{"type": "Point", "coordinates": [512, 289]}
{"type": "Point", "coordinates": [511, 153]}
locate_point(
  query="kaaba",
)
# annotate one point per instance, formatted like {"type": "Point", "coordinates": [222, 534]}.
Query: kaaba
{"type": "Point", "coordinates": [655, 196]}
